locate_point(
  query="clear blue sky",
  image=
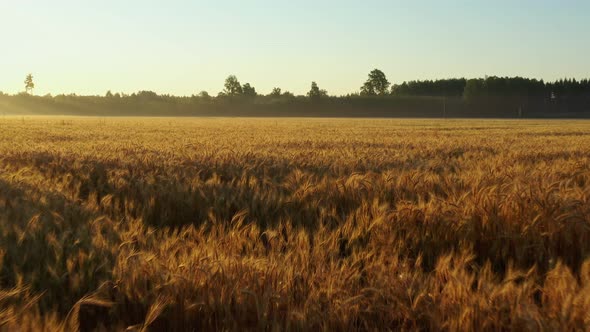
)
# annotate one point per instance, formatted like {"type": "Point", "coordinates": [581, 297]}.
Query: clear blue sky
{"type": "Point", "coordinates": [182, 47]}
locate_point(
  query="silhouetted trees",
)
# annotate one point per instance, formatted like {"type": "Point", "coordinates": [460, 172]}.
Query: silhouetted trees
{"type": "Point", "coordinates": [566, 88]}
{"type": "Point", "coordinates": [249, 91]}
{"type": "Point", "coordinates": [439, 88]}
{"type": "Point", "coordinates": [29, 84]}
{"type": "Point", "coordinates": [276, 92]}
{"type": "Point", "coordinates": [278, 96]}
{"type": "Point", "coordinates": [316, 93]}
{"type": "Point", "coordinates": [147, 96]}
{"type": "Point", "coordinates": [288, 94]}
{"type": "Point", "coordinates": [494, 86]}
{"type": "Point", "coordinates": [376, 85]}
{"type": "Point", "coordinates": [488, 96]}
{"type": "Point", "coordinates": [232, 86]}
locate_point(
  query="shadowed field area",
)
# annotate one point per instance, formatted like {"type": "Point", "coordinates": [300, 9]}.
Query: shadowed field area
{"type": "Point", "coordinates": [293, 224]}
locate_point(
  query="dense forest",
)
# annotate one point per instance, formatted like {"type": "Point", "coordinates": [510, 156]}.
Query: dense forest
{"type": "Point", "coordinates": [458, 97]}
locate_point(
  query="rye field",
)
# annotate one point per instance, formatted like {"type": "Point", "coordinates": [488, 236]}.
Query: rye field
{"type": "Point", "coordinates": [183, 224]}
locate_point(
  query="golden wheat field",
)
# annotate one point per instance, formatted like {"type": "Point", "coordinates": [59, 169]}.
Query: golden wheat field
{"type": "Point", "coordinates": [178, 224]}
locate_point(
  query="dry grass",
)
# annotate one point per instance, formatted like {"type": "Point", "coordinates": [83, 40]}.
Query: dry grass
{"type": "Point", "coordinates": [311, 225]}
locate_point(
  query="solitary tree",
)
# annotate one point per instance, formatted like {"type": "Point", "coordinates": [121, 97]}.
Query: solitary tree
{"type": "Point", "coordinates": [232, 86]}
{"type": "Point", "coordinates": [315, 93]}
{"type": "Point", "coordinates": [376, 84]}
{"type": "Point", "coordinates": [29, 84]}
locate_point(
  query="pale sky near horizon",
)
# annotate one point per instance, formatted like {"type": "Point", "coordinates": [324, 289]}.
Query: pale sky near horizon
{"type": "Point", "coordinates": [182, 47]}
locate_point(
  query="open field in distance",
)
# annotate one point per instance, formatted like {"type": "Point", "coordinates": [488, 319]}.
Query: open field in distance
{"type": "Point", "coordinates": [294, 224]}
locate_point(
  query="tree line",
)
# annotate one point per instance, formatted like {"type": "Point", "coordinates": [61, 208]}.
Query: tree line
{"type": "Point", "coordinates": [491, 95]}
{"type": "Point", "coordinates": [377, 85]}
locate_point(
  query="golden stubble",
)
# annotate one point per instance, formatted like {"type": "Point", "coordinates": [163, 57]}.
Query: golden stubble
{"type": "Point", "coordinates": [293, 224]}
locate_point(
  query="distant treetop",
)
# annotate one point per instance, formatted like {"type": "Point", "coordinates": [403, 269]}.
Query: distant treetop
{"type": "Point", "coordinates": [376, 85]}
{"type": "Point", "coordinates": [29, 84]}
